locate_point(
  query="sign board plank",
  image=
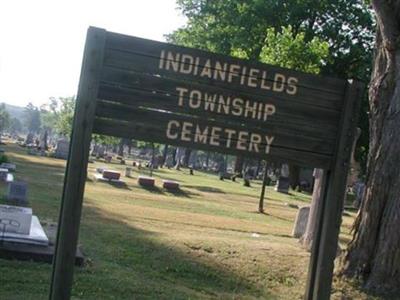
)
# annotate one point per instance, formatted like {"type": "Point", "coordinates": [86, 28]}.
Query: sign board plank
{"type": "Point", "coordinates": [197, 96]}
{"type": "Point", "coordinates": [162, 104]}
{"type": "Point", "coordinates": [276, 89]}
{"type": "Point", "coordinates": [144, 133]}
{"type": "Point", "coordinates": [210, 132]}
{"type": "Point", "coordinates": [153, 49]}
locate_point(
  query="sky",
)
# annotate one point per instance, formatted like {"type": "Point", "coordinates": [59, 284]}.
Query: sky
{"type": "Point", "coordinates": [42, 41]}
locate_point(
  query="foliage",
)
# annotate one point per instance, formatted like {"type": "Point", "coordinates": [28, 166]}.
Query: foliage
{"type": "Point", "coordinates": [58, 114]}
{"type": "Point", "coordinates": [292, 51]}
{"type": "Point", "coordinates": [32, 118]}
{"type": "Point", "coordinates": [223, 26]}
{"type": "Point", "coordinates": [105, 139]}
{"type": "Point", "coordinates": [15, 126]}
{"type": "Point", "coordinates": [252, 29]}
{"type": "Point", "coordinates": [4, 117]}
{"type": "Point", "coordinates": [65, 115]}
{"type": "Point", "coordinates": [4, 158]}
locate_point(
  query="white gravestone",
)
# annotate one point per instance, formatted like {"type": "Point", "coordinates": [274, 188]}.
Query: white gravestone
{"type": "Point", "coordinates": [15, 219]}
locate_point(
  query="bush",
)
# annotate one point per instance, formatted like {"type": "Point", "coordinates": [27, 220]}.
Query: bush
{"type": "Point", "coordinates": [4, 159]}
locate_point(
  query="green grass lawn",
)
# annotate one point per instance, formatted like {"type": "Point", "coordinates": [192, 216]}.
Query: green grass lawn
{"type": "Point", "coordinates": [205, 242]}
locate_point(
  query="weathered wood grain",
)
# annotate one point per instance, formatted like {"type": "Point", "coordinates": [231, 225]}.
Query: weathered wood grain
{"type": "Point", "coordinates": [75, 175]}
{"type": "Point", "coordinates": [158, 120]}
{"type": "Point", "coordinates": [153, 133]}
{"type": "Point", "coordinates": [152, 49]}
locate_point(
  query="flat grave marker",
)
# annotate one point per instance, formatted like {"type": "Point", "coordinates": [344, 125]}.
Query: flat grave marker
{"type": "Point", "coordinates": [9, 166]}
{"type": "Point", "coordinates": [170, 185]}
{"type": "Point", "coordinates": [146, 181]}
{"type": "Point", "coordinates": [15, 219]}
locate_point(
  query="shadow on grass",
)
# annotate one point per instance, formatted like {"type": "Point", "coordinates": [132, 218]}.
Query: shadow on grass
{"type": "Point", "coordinates": [208, 189]}
{"type": "Point", "coordinates": [273, 216]}
{"type": "Point", "coordinates": [128, 262]}
{"type": "Point", "coordinates": [182, 193]}
{"type": "Point", "coordinates": [152, 189]}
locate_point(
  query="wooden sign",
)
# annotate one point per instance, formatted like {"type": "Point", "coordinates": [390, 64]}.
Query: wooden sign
{"type": "Point", "coordinates": [169, 94]}
{"type": "Point", "coordinates": [146, 90]}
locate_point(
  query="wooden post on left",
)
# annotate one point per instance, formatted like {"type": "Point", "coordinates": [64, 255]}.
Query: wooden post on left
{"type": "Point", "coordinates": [76, 170]}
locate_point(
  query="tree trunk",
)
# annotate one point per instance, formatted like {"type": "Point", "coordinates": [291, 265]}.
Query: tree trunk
{"type": "Point", "coordinates": [258, 168]}
{"type": "Point", "coordinates": [179, 155]}
{"type": "Point", "coordinates": [307, 239]}
{"type": "Point", "coordinates": [373, 254]}
{"type": "Point", "coordinates": [238, 169]}
{"type": "Point", "coordinates": [45, 138]}
{"type": "Point", "coordinates": [294, 176]}
{"type": "Point", "coordinates": [165, 153]}
{"type": "Point", "coordinates": [129, 144]}
{"type": "Point", "coordinates": [174, 151]}
{"type": "Point", "coordinates": [186, 157]}
{"type": "Point", "coordinates": [121, 147]}
{"type": "Point", "coordinates": [207, 159]}
{"type": "Point", "coordinates": [262, 195]}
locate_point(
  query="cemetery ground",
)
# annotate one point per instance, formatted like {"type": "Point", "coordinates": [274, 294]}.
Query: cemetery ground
{"type": "Point", "coordinates": [205, 242]}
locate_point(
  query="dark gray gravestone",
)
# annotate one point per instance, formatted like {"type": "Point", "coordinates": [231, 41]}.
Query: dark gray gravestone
{"type": "Point", "coordinates": [62, 149]}
{"type": "Point", "coordinates": [282, 186]}
{"type": "Point", "coordinates": [3, 174]}
{"type": "Point", "coordinates": [17, 193]}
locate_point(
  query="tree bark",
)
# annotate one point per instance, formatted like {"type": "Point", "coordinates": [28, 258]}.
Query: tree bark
{"type": "Point", "coordinates": [373, 255]}
{"type": "Point", "coordinates": [294, 176]}
{"type": "Point", "coordinates": [121, 147]}
{"type": "Point", "coordinates": [186, 157]}
{"type": "Point", "coordinates": [165, 153]}
{"type": "Point", "coordinates": [180, 152]}
{"type": "Point", "coordinates": [238, 169]}
{"type": "Point", "coordinates": [262, 195]}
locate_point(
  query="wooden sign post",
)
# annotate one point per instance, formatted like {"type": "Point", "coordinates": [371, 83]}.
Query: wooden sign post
{"type": "Point", "coordinates": [157, 92]}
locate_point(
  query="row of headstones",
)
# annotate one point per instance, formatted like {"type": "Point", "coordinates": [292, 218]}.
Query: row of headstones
{"type": "Point", "coordinates": [145, 181]}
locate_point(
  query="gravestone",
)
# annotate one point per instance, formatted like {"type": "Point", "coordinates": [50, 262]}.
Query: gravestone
{"type": "Point", "coordinates": [246, 179]}
{"type": "Point", "coordinates": [3, 174]}
{"type": "Point", "coordinates": [100, 169]}
{"type": "Point", "coordinates": [15, 219]}
{"type": "Point", "coordinates": [146, 181]}
{"type": "Point", "coordinates": [170, 185]}
{"type": "Point", "coordinates": [108, 158]}
{"type": "Point", "coordinates": [282, 185]}
{"type": "Point", "coordinates": [17, 193]}
{"type": "Point", "coordinates": [300, 223]}
{"type": "Point", "coordinates": [9, 166]}
{"type": "Point", "coordinates": [62, 149]}
{"type": "Point", "coordinates": [128, 171]}
{"type": "Point", "coordinates": [111, 175]}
